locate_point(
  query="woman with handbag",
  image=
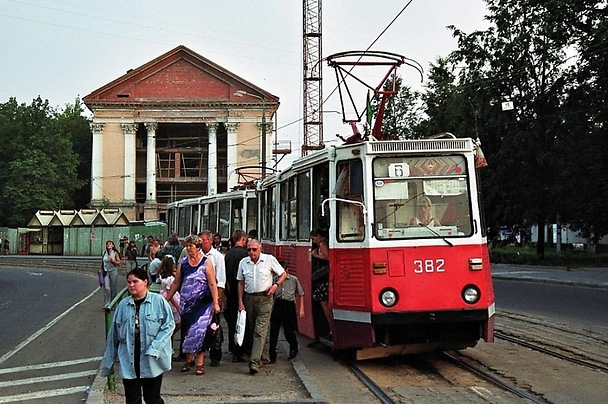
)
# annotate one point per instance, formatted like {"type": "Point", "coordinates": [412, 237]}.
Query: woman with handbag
{"type": "Point", "coordinates": [199, 300]}
{"type": "Point", "coordinates": [110, 262]}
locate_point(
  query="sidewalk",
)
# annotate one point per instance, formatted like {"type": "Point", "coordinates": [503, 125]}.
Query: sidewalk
{"type": "Point", "coordinates": [589, 277]}
{"type": "Point", "coordinates": [283, 382]}
{"type": "Point", "coordinates": [290, 381]}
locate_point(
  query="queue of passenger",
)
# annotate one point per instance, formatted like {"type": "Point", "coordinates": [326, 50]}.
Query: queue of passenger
{"type": "Point", "coordinates": [201, 277]}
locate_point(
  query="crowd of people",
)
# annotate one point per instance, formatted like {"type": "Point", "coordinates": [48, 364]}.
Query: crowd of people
{"type": "Point", "coordinates": [200, 277]}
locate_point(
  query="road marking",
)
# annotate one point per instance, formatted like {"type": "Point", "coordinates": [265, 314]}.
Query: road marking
{"type": "Point", "coordinates": [50, 365]}
{"type": "Point", "coordinates": [43, 329]}
{"type": "Point", "coordinates": [44, 379]}
{"type": "Point", "coordinates": [17, 398]}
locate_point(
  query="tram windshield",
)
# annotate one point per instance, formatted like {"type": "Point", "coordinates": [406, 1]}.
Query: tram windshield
{"type": "Point", "coordinates": [421, 197]}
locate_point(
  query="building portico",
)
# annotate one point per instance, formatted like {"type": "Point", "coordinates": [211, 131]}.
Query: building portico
{"type": "Point", "coordinates": [173, 129]}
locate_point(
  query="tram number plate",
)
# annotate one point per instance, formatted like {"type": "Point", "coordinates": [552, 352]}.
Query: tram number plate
{"type": "Point", "coordinates": [429, 266]}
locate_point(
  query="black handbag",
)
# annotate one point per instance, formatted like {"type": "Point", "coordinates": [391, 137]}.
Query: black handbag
{"type": "Point", "coordinates": [214, 337]}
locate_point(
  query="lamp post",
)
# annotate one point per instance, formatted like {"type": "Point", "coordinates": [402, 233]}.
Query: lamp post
{"type": "Point", "coordinates": [241, 93]}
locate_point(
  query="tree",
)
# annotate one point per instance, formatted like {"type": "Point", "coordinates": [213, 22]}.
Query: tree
{"type": "Point", "coordinates": [521, 58]}
{"type": "Point", "coordinates": [76, 127]}
{"type": "Point", "coordinates": [402, 113]}
{"type": "Point", "coordinates": [587, 140]}
{"type": "Point", "coordinates": [38, 164]}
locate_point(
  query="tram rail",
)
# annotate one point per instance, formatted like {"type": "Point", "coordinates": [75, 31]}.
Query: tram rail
{"type": "Point", "coordinates": [553, 353]}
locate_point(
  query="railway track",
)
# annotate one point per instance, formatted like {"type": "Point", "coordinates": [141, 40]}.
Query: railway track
{"type": "Point", "coordinates": [437, 374]}
{"type": "Point", "coordinates": [550, 352]}
{"type": "Point", "coordinates": [492, 379]}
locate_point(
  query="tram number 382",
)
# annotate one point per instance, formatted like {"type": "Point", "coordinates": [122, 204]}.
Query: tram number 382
{"type": "Point", "coordinates": [429, 266]}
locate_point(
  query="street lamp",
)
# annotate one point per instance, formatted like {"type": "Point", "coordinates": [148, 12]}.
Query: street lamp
{"type": "Point", "coordinates": [241, 93]}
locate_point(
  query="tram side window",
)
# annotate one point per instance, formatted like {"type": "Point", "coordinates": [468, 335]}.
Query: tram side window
{"type": "Point", "coordinates": [212, 224]}
{"type": "Point", "coordinates": [303, 218]}
{"type": "Point", "coordinates": [349, 186]}
{"type": "Point", "coordinates": [224, 220]}
{"type": "Point", "coordinates": [267, 210]}
{"type": "Point", "coordinates": [252, 214]}
{"type": "Point", "coordinates": [288, 209]}
{"type": "Point", "coordinates": [236, 217]}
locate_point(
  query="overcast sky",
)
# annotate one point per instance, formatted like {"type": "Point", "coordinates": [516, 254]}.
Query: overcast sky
{"type": "Point", "coordinates": [63, 49]}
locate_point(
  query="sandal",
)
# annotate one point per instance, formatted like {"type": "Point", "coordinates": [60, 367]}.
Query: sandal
{"type": "Point", "coordinates": [200, 369]}
{"type": "Point", "coordinates": [187, 366]}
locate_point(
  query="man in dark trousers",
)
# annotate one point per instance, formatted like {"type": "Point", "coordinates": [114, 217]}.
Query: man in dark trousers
{"type": "Point", "coordinates": [256, 289]}
{"type": "Point", "coordinates": [284, 313]}
{"type": "Point", "coordinates": [231, 260]}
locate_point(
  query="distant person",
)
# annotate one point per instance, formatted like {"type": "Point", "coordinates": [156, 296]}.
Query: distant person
{"type": "Point", "coordinates": [153, 249]}
{"type": "Point", "coordinates": [140, 340]}
{"type": "Point", "coordinates": [6, 245]}
{"type": "Point", "coordinates": [145, 250]}
{"type": "Point", "coordinates": [424, 213]}
{"type": "Point", "coordinates": [256, 289]}
{"type": "Point", "coordinates": [166, 274]}
{"type": "Point", "coordinates": [284, 314]}
{"type": "Point", "coordinates": [153, 267]}
{"type": "Point", "coordinates": [110, 261]}
{"type": "Point", "coordinates": [131, 253]}
{"type": "Point", "coordinates": [124, 241]}
{"type": "Point", "coordinates": [171, 247]}
{"type": "Point", "coordinates": [217, 241]}
{"type": "Point", "coordinates": [196, 283]}
{"type": "Point", "coordinates": [252, 235]}
{"type": "Point", "coordinates": [232, 259]}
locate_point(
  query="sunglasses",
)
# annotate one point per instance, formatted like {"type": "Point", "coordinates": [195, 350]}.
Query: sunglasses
{"type": "Point", "coordinates": [252, 249]}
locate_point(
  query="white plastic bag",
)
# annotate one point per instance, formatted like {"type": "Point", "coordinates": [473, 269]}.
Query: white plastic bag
{"type": "Point", "coordinates": [241, 320]}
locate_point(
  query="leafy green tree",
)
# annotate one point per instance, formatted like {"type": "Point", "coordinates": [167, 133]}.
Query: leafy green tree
{"type": "Point", "coordinates": [403, 111]}
{"type": "Point", "coordinates": [38, 164]}
{"type": "Point", "coordinates": [586, 176]}
{"type": "Point", "coordinates": [76, 127]}
{"type": "Point", "coordinates": [521, 58]}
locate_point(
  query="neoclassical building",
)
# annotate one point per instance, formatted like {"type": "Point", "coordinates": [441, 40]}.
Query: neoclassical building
{"type": "Point", "coordinates": [177, 127]}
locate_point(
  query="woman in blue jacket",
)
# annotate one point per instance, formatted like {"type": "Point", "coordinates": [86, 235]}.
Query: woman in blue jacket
{"type": "Point", "coordinates": [140, 340]}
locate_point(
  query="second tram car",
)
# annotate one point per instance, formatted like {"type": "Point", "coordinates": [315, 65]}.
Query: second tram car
{"type": "Point", "coordinates": [409, 267]}
{"type": "Point", "coordinates": [222, 213]}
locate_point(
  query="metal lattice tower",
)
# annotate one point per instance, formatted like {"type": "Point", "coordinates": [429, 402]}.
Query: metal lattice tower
{"type": "Point", "coordinates": [313, 77]}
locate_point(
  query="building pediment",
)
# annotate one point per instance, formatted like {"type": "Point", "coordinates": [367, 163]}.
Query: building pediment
{"type": "Point", "coordinates": [178, 76]}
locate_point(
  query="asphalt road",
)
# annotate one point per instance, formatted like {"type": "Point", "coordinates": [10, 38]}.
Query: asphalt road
{"type": "Point", "coordinates": [575, 305]}
{"type": "Point", "coordinates": [51, 335]}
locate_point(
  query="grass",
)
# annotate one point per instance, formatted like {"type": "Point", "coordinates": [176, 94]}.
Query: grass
{"type": "Point", "coordinates": [567, 258]}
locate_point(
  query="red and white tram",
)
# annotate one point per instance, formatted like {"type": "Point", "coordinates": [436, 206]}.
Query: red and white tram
{"type": "Point", "coordinates": [396, 284]}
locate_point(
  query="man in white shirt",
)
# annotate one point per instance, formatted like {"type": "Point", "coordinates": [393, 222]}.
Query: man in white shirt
{"type": "Point", "coordinates": [256, 290]}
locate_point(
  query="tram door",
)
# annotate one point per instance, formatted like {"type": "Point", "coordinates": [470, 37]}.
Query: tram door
{"type": "Point", "coordinates": [320, 222]}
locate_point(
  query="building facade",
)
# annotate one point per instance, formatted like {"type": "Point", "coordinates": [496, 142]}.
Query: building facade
{"type": "Point", "coordinates": [176, 127]}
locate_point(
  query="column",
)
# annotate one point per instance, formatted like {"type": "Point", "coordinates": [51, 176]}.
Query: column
{"type": "Point", "coordinates": [151, 162]}
{"type": "Point", "coordinates": [129, 130]}
{"type": "Point", "coordinates": [212, 159]}
{"type": "Point", "coordinates": [265, 136]}
{"type": "Point", "coordinates": [232, 156]}
{"type": "Point", "coordinates": [96, 163]}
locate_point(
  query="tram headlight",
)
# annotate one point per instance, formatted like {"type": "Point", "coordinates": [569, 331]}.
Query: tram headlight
{"type": "Point", "coordinates": [388, 297]}
{"type": "Point", "coordinates": [471, 294]}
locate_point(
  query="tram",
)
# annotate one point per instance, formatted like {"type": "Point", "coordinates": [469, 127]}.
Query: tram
{"type": "Point", "coordinates": [409, 266]}
{"type": "Point", "coordinates": [222, 213]}
{"type": "Point", "coordinates": [396, 285]}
